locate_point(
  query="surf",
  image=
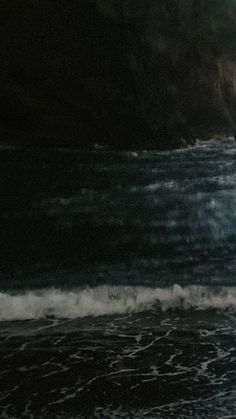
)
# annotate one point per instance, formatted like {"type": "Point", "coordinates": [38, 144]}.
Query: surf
{"type": "Point", "coordinates": [110, 300]}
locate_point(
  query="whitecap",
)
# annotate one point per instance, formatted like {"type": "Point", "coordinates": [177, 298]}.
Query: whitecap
{"type": "Point", "coordinates": [108, 300]}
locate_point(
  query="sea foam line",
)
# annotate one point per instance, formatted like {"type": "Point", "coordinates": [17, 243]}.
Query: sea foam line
{"type": "Point", "coordinates": [107, 300]}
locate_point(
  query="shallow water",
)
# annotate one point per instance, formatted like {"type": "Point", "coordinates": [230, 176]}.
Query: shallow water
{"type": "Point", "coordinates": [117, 283]}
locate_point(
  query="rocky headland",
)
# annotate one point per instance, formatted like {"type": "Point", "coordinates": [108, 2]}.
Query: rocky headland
{"type": "Point", "coordinates": [123, 74]}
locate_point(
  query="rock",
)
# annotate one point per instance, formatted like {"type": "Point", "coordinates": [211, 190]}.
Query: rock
{"type": "Point", "coordinates": [118, 74]}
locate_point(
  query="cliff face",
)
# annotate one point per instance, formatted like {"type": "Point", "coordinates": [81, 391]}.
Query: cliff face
{"type": "Point", "coordinates": [134, 73]}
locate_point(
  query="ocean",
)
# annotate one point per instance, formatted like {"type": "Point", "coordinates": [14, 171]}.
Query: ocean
{"type": "Point", "coordinates": [117, 282]}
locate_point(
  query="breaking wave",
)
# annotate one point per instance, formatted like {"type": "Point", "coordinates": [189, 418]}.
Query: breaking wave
{"type": "Point", "coordinates": [107, 300]}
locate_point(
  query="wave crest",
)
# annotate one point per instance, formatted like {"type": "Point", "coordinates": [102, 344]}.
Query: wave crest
{"type": "Point", "coordinates": [107, 300]}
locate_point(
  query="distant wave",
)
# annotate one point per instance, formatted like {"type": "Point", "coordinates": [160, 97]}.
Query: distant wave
{"type": "Point", "coordinates": [106, 300]}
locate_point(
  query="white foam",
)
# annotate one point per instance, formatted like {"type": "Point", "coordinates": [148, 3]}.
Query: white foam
{"type": "Point", "coordinates": [105, 300]}
{"type": "Point", "coordinates": [153, 187]}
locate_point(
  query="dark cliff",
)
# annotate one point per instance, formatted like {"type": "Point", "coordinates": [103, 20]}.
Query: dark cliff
{"type": "Point", "coordinates": [133, 73]}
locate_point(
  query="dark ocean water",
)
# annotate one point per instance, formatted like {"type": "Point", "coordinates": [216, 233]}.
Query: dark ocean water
{"type": "Point", "coordinates": [117, 283]}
